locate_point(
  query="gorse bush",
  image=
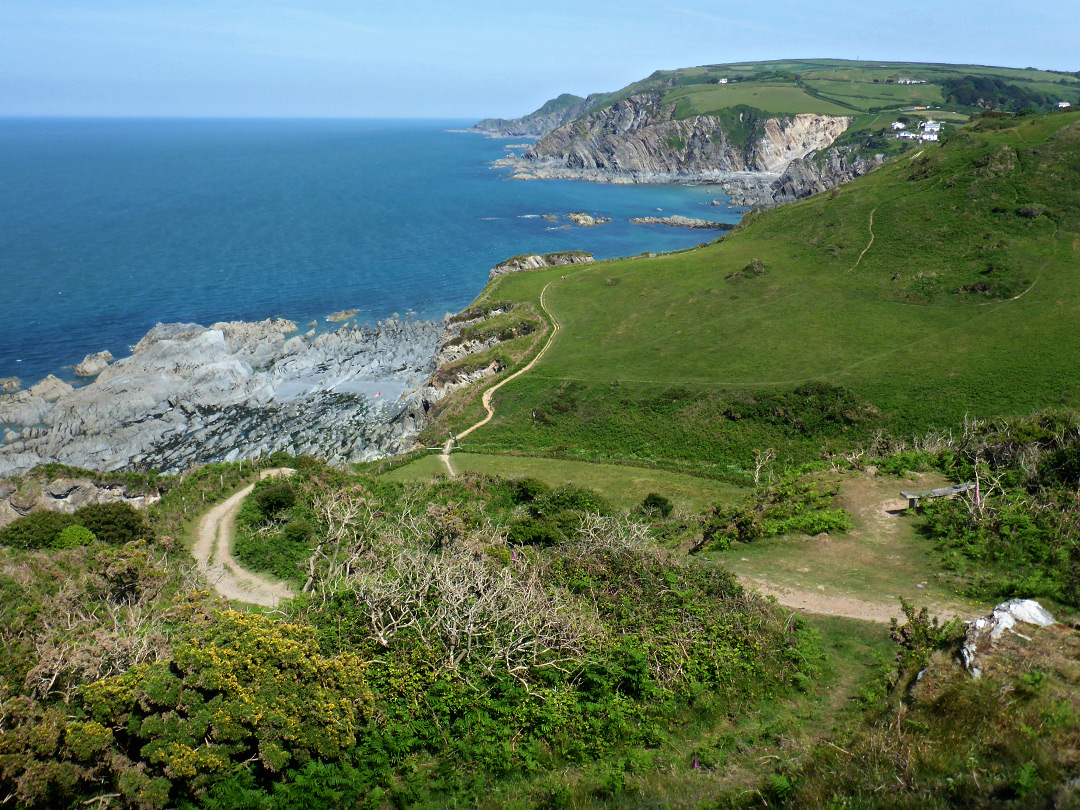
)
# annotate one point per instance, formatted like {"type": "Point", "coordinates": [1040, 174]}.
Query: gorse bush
{"type": "Point", "coordinates": [656, 504]}
{"type": "Point", "coordinates": [114, 523]}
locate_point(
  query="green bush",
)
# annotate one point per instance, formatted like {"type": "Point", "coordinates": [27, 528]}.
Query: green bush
{"type": "Point", "coordinates": [527, 490]}
{"type": "Point", "coordinates": [36, 530]}
{"type": "Point", "coordinates": [568, 498]}
{"type": "Point", "coordinates": [113, 523]}
{"type": "Point", "coordinates": [74, 537]}
{"type": "Point", "coordinates": [531, 531]}
{"type": "Point", "coordinates": [274, 499]}
{"type": "Point", "coordinates": [656, 504]}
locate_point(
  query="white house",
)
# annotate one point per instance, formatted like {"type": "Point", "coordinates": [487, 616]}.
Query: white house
{"type": "Point", "coordinates": [907, 136]}
{"type": "Point", "coordinates": [899, 125]}
{"type": "Point", "coordinates": [929, 136]}
{"type": "Point", "coordinates": [1064, 104]}
{"type": "Point", "coordinates": [722, 81]}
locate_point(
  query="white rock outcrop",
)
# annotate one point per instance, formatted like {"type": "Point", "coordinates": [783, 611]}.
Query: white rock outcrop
{"type": "Point", "coordinates": [983, 632]}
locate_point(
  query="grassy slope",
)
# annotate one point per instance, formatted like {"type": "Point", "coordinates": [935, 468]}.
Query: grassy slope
{"type": "Point", "coordinates": [622, 486]}
{"type": "Point", "coordinates": [653, 349]}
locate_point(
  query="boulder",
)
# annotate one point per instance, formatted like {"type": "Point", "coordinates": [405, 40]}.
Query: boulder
{"type": "Point", "coordinates": [9, 385]}
{"type": "Point", "coordinates": [93, 364]}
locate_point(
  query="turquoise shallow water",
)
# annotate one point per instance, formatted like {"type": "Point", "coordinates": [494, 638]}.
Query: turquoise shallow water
{"type": "Point", "coordinates": [110, 226]}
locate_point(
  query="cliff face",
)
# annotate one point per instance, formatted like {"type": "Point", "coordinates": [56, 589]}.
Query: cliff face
{"type": "Point", "coordinates": [639, 140]}
{"type": "Point", "coordinates": [802, 178]}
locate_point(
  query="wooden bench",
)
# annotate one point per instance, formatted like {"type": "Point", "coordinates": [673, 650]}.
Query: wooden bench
{"type": "Point", "coordinates": [913, 498]}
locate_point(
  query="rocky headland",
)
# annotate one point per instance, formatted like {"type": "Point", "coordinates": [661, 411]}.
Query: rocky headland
{"type": "Point", "coordinates": [536, 261]}
{"type": "Point", "coordinates": [552, 115]}
{"type": "Point", "coordinates": [639, 140]}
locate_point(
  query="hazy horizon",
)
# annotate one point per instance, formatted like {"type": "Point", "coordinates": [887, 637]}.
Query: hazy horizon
{"type": "Point", "coordinates": [424, 60]}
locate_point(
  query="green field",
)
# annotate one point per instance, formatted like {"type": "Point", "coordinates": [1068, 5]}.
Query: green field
{"type": "Point", "coordinates": [767, 96]}
{"type": "Point", "coordinates": [622, 486]}
{"type": "Point", "coordinates": [962, 305]}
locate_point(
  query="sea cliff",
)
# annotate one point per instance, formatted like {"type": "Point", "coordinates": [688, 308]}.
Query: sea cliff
{"type": "Point", "coordinates": [640, 140]}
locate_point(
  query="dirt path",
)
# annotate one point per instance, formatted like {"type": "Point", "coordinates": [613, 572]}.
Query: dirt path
{"type": "Point", "coordinates": [213, 554]}
{"type": "Point", "coordinates": [871, 242]}
{"type": "Point", "coordinates": [486, 400]}
{"type": "Point", "coordinates": [445, 456]}
{"type": "Point", "coordinates": [825, 604]}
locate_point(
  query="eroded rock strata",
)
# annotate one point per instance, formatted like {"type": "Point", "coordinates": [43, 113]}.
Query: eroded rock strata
{"type": "Point", "coordinates": [639, 140]}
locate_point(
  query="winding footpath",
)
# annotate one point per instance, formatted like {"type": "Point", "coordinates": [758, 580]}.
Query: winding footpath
{"type": "Point", "coordinates": [213, 554]}
{"type": "Point", "coordinates": [486, 400]}
{"type": "Point", "coordinates": [868, 244]}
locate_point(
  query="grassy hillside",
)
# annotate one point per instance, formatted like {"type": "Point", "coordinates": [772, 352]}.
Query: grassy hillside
{"type": "Point", "coordinates": [943, 284]}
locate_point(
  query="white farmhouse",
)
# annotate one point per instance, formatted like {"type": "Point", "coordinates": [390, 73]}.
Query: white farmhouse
{"type": "Point", "coordinates": [1064, 104]}
{"type": "Point", "coordinates": [899, 125]}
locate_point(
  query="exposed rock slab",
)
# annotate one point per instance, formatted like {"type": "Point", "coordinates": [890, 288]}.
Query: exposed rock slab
{"type": "Point", "coordinates": [189, 394]}
{"type": "Point", "coordinates": [9, 385]}
{"type": "Point", "coordinates": [64, 495]}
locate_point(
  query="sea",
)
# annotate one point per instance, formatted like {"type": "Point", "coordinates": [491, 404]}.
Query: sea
{"type": "Point", "coordinates": [110, 226]}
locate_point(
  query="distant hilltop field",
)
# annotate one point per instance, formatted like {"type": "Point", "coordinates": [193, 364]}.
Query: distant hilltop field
{"type": "Point", "coordinates": [771, 132]}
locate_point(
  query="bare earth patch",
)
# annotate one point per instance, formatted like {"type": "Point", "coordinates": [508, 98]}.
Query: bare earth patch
{"type": "Point", "coordinates": [860, 574]}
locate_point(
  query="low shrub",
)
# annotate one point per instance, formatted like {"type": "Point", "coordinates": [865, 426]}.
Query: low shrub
{"type": "Point", "coordinates": [568, 498]}
{"type": "Point", "coordinates": [656, 504]}
{"type": "Point", "coordinates": [274, 499]}
{"type": "Point", "coordinates": [36, 530]}
{"type": "Point", "coordinates": [113, 523]}
{"type": "Point", "coordinates": [73, 537]}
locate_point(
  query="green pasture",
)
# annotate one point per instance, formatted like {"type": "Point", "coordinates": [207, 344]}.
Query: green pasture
{"type": "Point", "coordinates": [779, 98]}
{"type": "Point", "coordinates": [962, 305]}
{"type": "Point", "coordinates": [622, 486]}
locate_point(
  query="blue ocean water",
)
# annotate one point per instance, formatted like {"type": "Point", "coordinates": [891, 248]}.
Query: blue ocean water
{"type": "Point", "coordinates": [108, 227]}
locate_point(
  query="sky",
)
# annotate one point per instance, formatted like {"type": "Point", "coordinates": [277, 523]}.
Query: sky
{"type": "Point", "coordinates": [451, 59]}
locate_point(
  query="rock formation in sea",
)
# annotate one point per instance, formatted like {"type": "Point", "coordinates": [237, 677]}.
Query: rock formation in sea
{"type": "Point", "coordinates": [586, 220]}
{"type": "Point", "coordinates": [94, 364]}
{"type": "Point", "coordinates": [639, 140]}
{"type": "Point", "coordinates": [683, 222]}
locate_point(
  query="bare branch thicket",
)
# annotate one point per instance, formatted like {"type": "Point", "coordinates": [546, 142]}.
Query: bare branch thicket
{"type": "Point", "coordinates": [87, 634]}
{"type": "Point", "coordinates": [473, 611]}
{"type": "Point", "coordinates": [622, 534]}
{"type": "Point", "coordinates": [934, 441]}
{"type": "Point", "coordinates": [762, 462]}
{"type": "Point", "coordinates": [349, 522]}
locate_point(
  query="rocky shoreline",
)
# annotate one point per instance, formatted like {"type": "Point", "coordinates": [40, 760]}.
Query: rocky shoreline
{"type": "Point", "coordinates": [190, 394]}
